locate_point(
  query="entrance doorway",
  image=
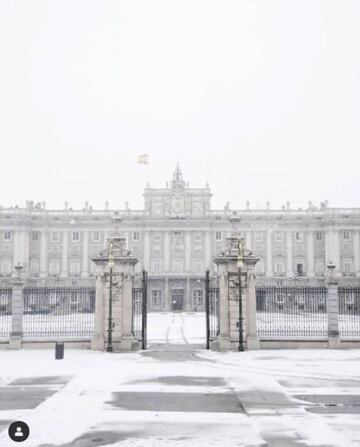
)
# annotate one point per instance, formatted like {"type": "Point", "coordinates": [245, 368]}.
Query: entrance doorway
{"type": "Point", "coordinates": [177, 299]}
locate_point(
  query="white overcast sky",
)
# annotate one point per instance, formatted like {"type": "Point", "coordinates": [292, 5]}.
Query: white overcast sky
{"type": "Point", "coordinates": [264, 93]}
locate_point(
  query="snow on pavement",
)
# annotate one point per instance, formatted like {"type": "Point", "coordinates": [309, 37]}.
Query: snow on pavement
{"type": "Point", "coordinates": [188, 397]}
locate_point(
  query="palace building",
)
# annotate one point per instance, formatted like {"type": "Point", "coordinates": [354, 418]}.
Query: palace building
{"type": "Point", "coordinates": [175, 237]}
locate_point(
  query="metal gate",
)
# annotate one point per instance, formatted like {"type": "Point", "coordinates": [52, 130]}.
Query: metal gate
{"type": "Point", "coordinates": [212, 308]}
{"type": "Point", "coordinates": [139, 302]}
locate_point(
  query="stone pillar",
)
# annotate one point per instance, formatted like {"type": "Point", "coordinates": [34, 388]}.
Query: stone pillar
{"type": "Point", "coordinates": [310, 254]}
{"type": "Point", "coordinates": [248, 239]}
{"type": "Point", "coordinates": [333, 310]}
{"type": "Point", "coordinates": [17, 310]}
{"type": "Point", "coordinates": [85, 254]}
{"type": "Point", "coordinates": [188, 251]}
{"type": "Point", "coordinates": [252, 338]}
{"type": "Point", "coordinates": [122, 263]}
{"type": "Point", "coordinates": [146, 262]}
{"type": "Point", "coordinates": [208, 263]}
{"type": "Point", "coordinates": [64, 269]}
{"type": "Point", "coordinates": [269, 270]}
{"type": "Point", "coordinates": [224, 340]}
{"type": "Point", "coordinates": [289, 260]}
{"type": "Point", "coordinates": [236, 268]}
{"type": "Point", "coordinates": [44, 254]}
{"type": "Point", "coordinates": [167, 306]}
{"type": "Point", "coordinates": [356, 253]}
{"type": "Point", "coordinates": [166, 252]}
{"type": "Point", "coordinates": [188, 295]}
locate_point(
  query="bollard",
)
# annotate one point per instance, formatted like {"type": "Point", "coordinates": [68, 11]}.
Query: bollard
{"type": "Point", "coordinates": [59, 351]}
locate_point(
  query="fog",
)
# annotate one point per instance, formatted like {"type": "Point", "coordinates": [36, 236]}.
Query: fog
{"type": "Point", "coordinates": [259, 98]}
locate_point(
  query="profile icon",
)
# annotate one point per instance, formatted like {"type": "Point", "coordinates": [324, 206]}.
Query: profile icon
{"type": "Point", "coordinates": [18, 431]}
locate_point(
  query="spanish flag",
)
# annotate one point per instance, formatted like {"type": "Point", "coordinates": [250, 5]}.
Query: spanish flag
{"type": "Point", "coordinates": [143, 159]}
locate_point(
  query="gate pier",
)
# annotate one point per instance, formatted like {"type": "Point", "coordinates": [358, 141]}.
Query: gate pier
{"type": "Point", "coordinates": [237, 297]}
{"type": "Point", "coordinates": [114, 298]}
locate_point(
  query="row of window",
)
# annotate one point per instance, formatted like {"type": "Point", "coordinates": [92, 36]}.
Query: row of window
{"type": "Point", "coordinates": [157, 298]}
{"type": "Point", "coordinates": [219, 235]}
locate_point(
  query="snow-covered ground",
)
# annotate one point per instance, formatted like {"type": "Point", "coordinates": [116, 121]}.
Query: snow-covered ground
{"type": "Point", "coordinates": [176, 394]}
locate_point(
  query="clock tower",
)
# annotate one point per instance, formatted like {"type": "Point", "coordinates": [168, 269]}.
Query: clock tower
{"type": "Point", "coordinates": [177, 200]}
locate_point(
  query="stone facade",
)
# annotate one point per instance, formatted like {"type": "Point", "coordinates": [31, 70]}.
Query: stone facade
{"type": "Point", "coordinates": [176, 237]}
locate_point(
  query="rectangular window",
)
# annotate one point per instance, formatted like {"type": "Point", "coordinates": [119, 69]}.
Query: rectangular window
{"type": "Point", "coordinates": [54, 268]}
{"type": "Point", "coordinates": [34, 235]}
{"type": "Point", "coordinates": [136, 236]}
{"type": "Point", "coordinates": [198, 263]}
{"type": "Point", "coordinates": [318, 236]}
{"type": "Point", "coordinates": [156, 265]}
{"type": "Point", "coordinates": [198, 297]}
{"type": "Point", "coordinates": [96, 236]}
{"type": "Point", "coordinates": [279, 236]}
{"type": "Point", "coordinates": [75, 236]}
{"type": "Point", "coordinates": [156, 296]}
{"type": "Point", "coordinates": [299, 236]}
{"type": "Point", "coordinates": [75, 268]}
{"type": "Point", "coordinates": [157, 237]}
{"type": "Point", "coordinates": [55, 236]}
{"type": "Point", "coordinates": [7, 235]}
{"type": "Point", "coordinates": [218, 236]}
{"type": "Point", "coordinates": [346, 234]}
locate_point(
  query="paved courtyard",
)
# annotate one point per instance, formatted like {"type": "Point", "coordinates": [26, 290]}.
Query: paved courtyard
{"type": "Point", "coordinates": [178, 394]}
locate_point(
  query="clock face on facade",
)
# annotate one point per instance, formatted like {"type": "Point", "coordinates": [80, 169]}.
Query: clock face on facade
{"type": "Point", "coordinates": [178, 205]}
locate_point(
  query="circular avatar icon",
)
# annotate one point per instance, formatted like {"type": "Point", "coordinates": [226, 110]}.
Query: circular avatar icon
{"type": "Point", "coordinates": [19, 431]}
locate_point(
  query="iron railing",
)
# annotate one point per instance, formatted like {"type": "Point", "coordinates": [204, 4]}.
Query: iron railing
{"type": "Point", "coordinates": [211, 308]}
{"type": "Point", "coordinates": [349, 312]}
{"type": "Point", "coordinates": [139, 309]}
{"type": "Point", "coordinates": [291, 312]}
{"type": "Point", "coordinates": [58, 313]}
{"type": "Point", "coordinates": [5, 313]}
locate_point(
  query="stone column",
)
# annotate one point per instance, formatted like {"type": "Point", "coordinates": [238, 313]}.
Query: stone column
{"type": "Point", "coordinates": [85, 254]}
{"type": "Point", "coordinates": [167, 295]}
{"type": "Point", "coordinates": [188, 295]}
{"type": "Point", "coordinates": [188, 251]}
{"type": "Point", "coordinates": [224, 341]}
{"type": "Point", "coordinates": [122, 264]}
{"type": "Point", "coordinates": [269, 270]}
{"type": "Point", "coordinates": [44, 254]}
{"type": "Point", "coordinates": [208, 263]}
{"type": "Point", "coordinates": [17, 310]}
{"type": "Point", "coordinates": [310, 254]}
{"type": "Point", "coordinates": [252, 338]}
{"type": "Point", "coordinates": [333, 310]}
{"type": "Point", "coordinates": [99, 339]}
{"type": "Point", "coordinates": [64, 269]}
{"type": "Point", "coordinates": [356, 253]}
{"type": "Point", "coordinates": [248, 239]}
{"type": "Point", "coordinates": [146, 258]}
{"type": "Point", "coordinates": [166, 252]}
{"type": "Point", "coordinates": [289, 260]}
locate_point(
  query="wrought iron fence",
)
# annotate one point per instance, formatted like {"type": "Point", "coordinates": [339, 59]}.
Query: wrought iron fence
{"type": "Point", "coordinates": [137, 312]}
{"type": "Point", "coordinates": [349, 312]}
{"type": "Point", "coordinates": [5, 313]}
{"type": "Point", "coordinates": [291, 312]}
{"type": "Point", "coordinates": [58, 313]}
{"type": "Point", "coordinates": [211, 307]}
{"type": "Point", "coordinates": [139, 309]}
{"type": "Point", "coordinates": [214, 312]}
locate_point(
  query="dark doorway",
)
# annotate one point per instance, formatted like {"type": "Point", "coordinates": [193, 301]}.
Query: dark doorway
{"type": "Point", "coordinates": [177, 299]}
